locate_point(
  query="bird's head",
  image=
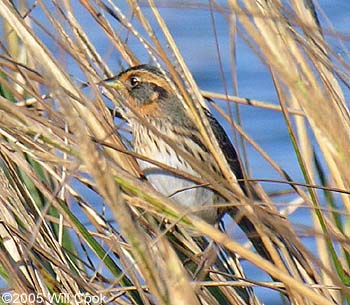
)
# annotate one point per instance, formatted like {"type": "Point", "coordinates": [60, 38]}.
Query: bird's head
{"type": "Point", "coordinates": [148, 90]}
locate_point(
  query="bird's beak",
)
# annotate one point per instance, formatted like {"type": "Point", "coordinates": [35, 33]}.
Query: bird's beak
{"type": "Point", "coordinates": [113, 83]}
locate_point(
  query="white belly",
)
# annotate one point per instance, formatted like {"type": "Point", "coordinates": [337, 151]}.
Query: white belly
{"type": "Point", "coordinates": [198, 200]}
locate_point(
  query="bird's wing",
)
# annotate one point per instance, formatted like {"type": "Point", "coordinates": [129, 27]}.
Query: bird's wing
{"type": "Point", "coordinates": [227, 148]}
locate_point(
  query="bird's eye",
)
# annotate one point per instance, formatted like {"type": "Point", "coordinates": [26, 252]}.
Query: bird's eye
{"type": "Point", "coordinates": [134, 81]}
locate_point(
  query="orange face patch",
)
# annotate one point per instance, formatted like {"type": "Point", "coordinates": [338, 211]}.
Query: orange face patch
{"type": "Point", "coordinates": [147, 77]}
{"type": "Point", "coordinates": [149, 110]}
{"type": "Point", "coordinates": [151, 107]}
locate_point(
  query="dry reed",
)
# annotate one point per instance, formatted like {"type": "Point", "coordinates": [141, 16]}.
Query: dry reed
{"type": "Point", "coordinates": [61, 155]}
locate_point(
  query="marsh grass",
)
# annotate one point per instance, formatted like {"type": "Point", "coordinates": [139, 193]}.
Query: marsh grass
{"type": "Point", "coordinates": [61, 156]}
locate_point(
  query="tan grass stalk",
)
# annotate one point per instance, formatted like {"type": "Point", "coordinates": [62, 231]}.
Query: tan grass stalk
{"type": "Point", "coordinates": [60, 150]}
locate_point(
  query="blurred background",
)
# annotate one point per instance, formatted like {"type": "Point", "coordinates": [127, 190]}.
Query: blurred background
{"type": "Point", "coordinates": [221, 61]}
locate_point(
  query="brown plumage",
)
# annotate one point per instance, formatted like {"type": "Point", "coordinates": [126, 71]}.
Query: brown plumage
{"type": "Point", "coordinates": [148, 91]}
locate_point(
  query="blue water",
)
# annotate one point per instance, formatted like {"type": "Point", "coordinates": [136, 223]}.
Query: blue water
{"type": "Point", "coordinates": [194, 34]}
{"type": "Point", "coordinates": [195, 38]}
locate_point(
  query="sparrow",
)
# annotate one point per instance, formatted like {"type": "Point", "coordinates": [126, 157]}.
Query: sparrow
{"type": "Point", "coordinates": [157, 113]}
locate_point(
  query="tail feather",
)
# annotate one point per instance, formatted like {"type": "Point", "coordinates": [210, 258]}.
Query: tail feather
{"type": "Point", "coordinates": [282, 237]}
